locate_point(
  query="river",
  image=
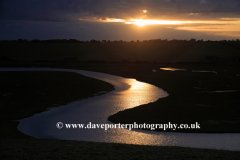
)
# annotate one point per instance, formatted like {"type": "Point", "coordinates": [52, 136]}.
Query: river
{"type": "Point", "coordinates": [128, 93]}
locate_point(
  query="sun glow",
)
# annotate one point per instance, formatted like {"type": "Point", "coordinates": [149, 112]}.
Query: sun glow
{"type": "Point", "coordinates": [142, 22]}
{"type": "Point", "coordinates": [114, 20]}
{"type": "Point", "coordinates": [224, 26]}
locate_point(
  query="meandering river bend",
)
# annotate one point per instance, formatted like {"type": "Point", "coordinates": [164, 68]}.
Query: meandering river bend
{"type": "Point", "coordinates": [128, 93]}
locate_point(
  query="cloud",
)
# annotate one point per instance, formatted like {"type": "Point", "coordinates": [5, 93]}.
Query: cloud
{"type": "Point", "coordinates": [72, 10]}
{"type": "Point", "coordinates": [84, 30]}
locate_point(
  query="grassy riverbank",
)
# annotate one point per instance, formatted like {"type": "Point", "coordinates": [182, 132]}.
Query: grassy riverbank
{"type": "Point", "coordinates": [38, 87]}
{"type": "Point", "coordinates": [19, 148]}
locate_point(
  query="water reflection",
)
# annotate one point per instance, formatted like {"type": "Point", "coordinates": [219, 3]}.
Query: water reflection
{"type": "Point", "coordinates": [172, 69]}
{"type": "Point", "coordinates": [178, 69]}
{"type": "Point", "coordinates": [204, 71]}
{"type": "Point", "coordinates": [223, 91]}
{"type": "Point", "coordinates": [128, 93]}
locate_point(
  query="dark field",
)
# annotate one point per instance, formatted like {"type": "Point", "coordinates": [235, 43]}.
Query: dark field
{"type": "Point", "coordinates": [19, 148]}
{"type": "Point", "coordinates": [161, 52]}
{"type": "Point", "coordinates": [190, 97]}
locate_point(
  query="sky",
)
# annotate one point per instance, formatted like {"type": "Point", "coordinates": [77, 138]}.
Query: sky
{"type": "Point", "coordinates": [120, 19]}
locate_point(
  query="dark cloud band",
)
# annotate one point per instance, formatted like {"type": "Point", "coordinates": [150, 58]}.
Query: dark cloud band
{"type": "Point", "coordinates": [72, 10]}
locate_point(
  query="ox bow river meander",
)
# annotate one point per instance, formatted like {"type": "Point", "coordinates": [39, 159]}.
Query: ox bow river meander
{"type": "Point", "coordinates": [128, 93]}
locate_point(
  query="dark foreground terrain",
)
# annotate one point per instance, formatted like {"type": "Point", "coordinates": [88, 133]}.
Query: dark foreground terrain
{"type": "Point", "coordinates": [20, 148]}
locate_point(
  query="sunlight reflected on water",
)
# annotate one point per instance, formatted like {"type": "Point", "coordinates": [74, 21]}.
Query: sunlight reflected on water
{"type": "Point", "coordinates": [128, 93]}
{"type": "Point", "coordinates": [172, 69]}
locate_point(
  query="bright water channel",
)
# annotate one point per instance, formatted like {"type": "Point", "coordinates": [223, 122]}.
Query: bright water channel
{"type": "Point", "coordinates": [128, 93]}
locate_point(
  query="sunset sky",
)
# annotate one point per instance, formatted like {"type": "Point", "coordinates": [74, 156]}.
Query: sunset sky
{"type": "Point", "coordinates": [119, 19]}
